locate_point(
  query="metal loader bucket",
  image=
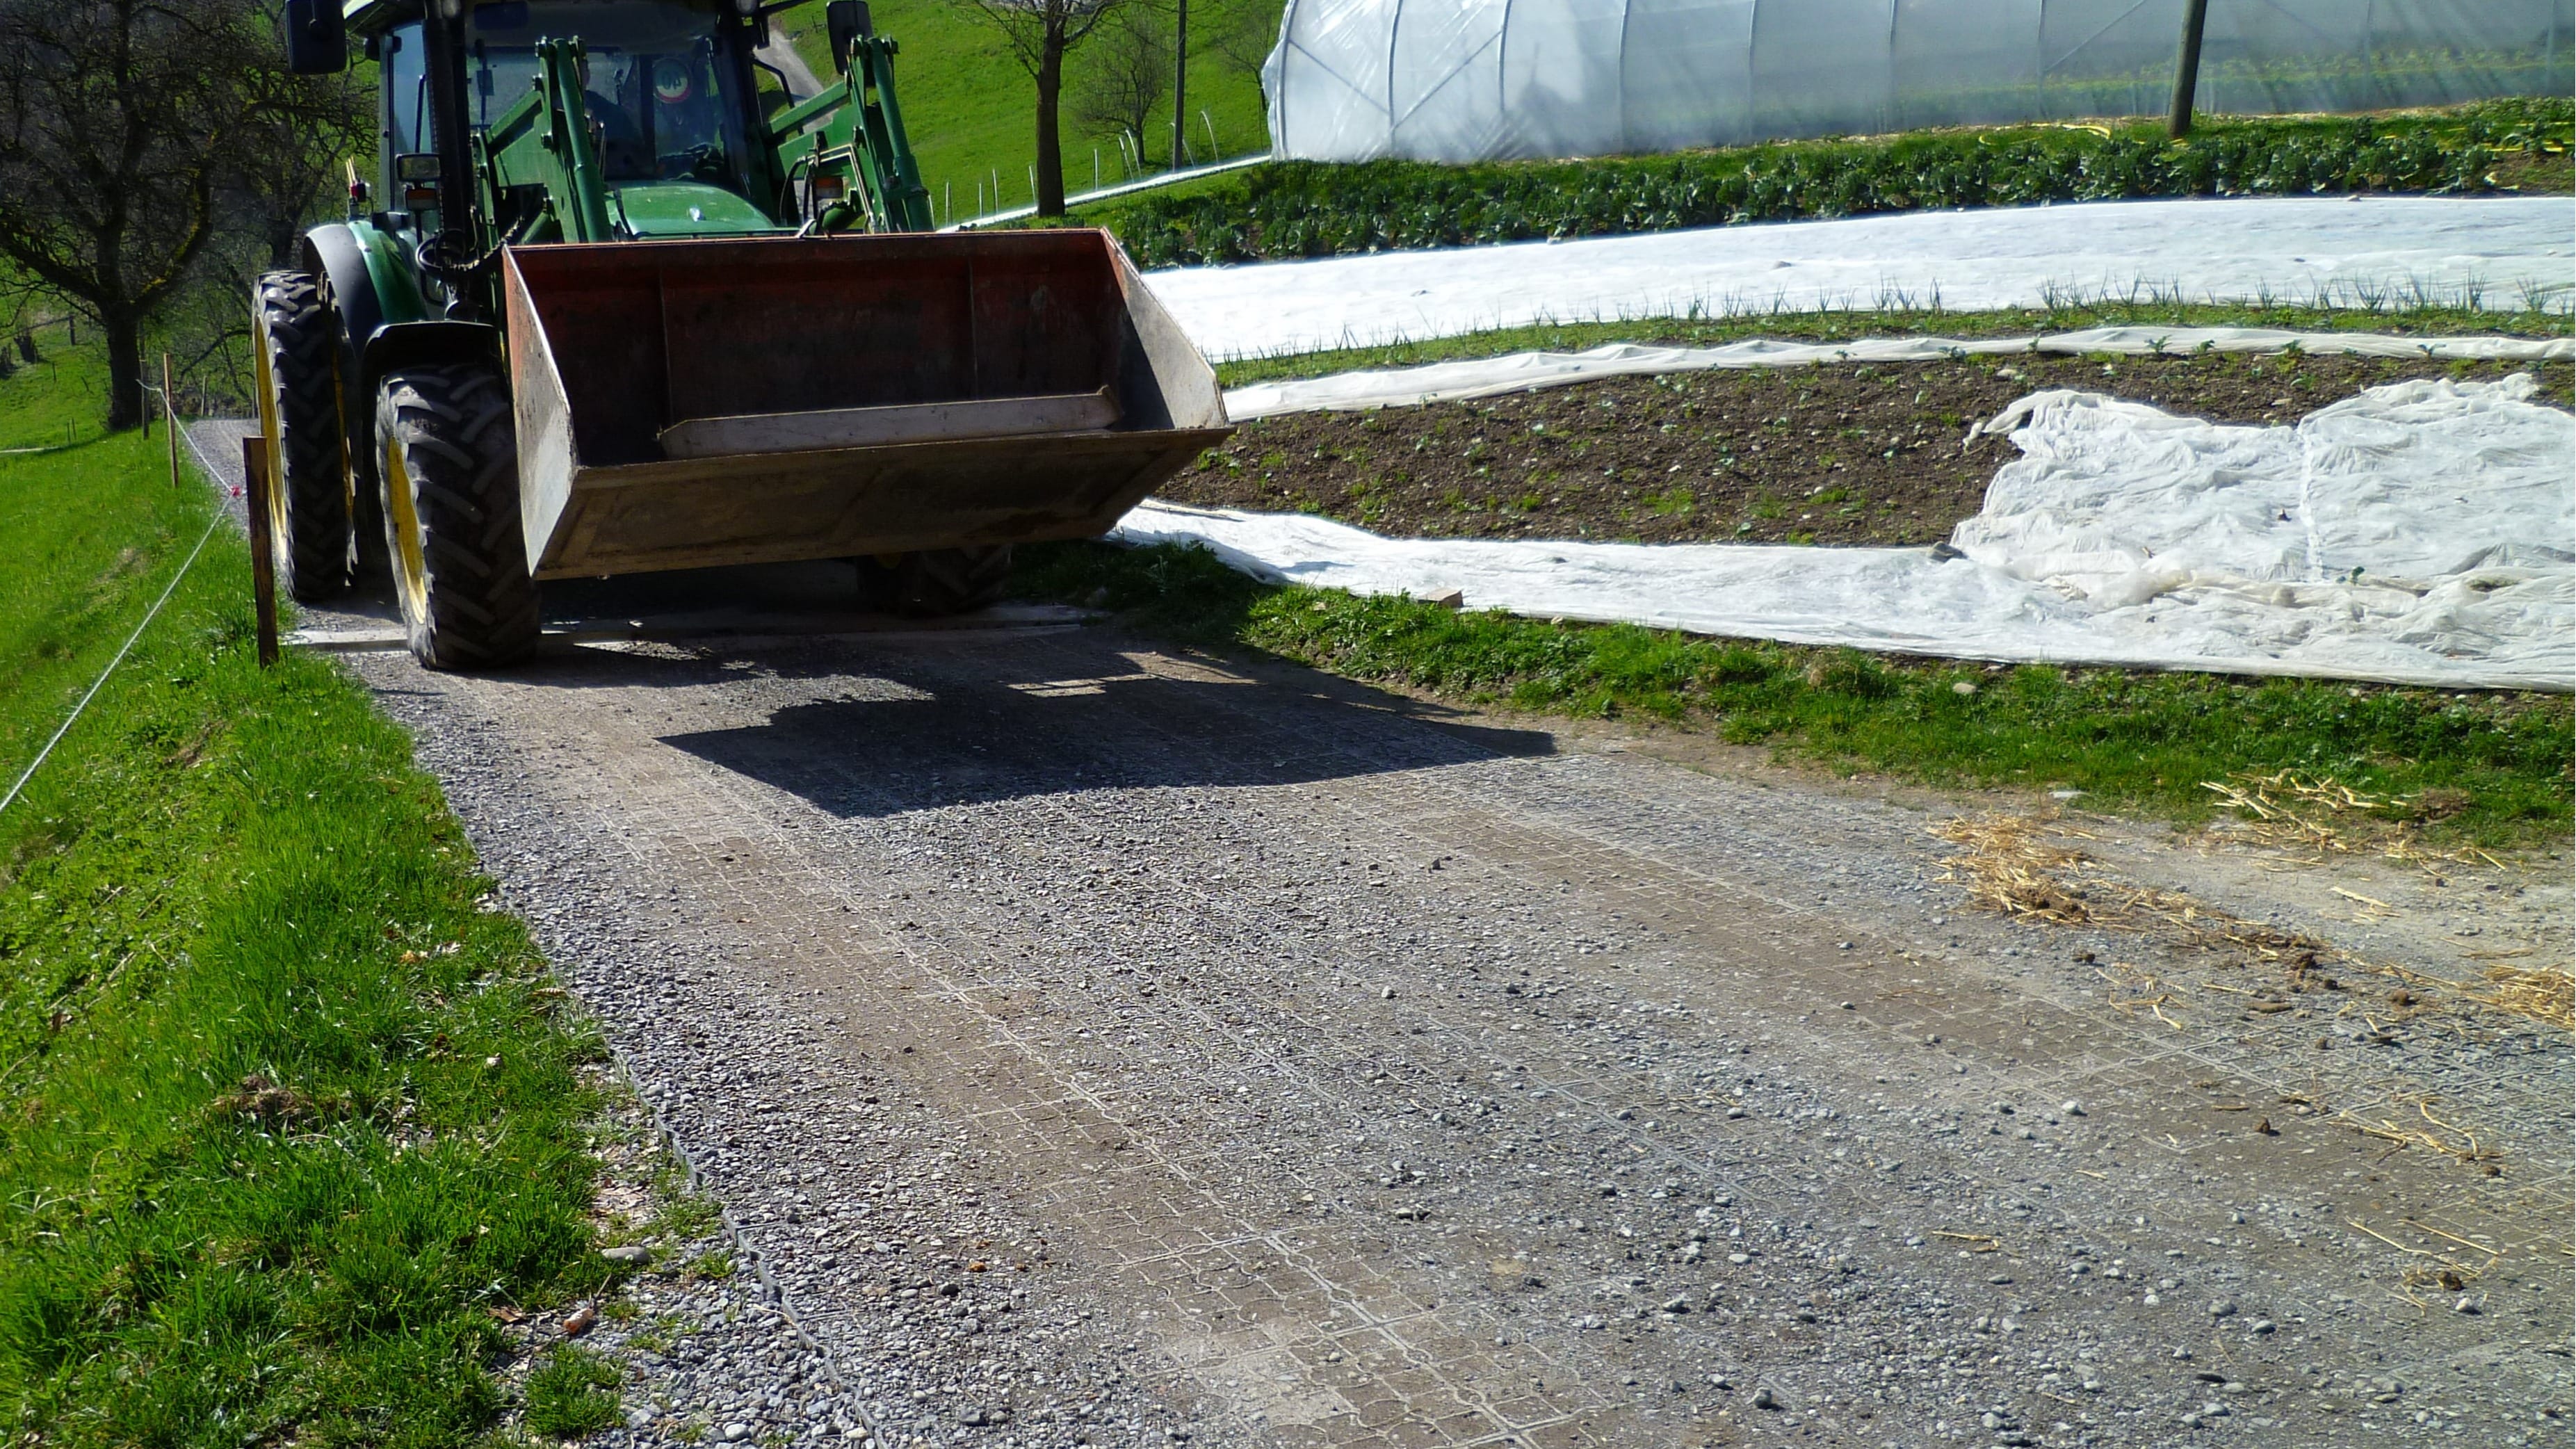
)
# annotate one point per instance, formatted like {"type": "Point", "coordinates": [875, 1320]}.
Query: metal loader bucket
{"type": "Point", "coordinates": [689, 403]}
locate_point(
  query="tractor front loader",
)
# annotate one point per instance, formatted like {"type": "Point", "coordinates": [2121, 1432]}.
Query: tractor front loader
{"type": "Point", "coordinates": [619, 307]}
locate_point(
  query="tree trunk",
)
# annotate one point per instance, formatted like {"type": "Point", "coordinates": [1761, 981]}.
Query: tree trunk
{"type": "Point", "coordinates": [1050, 145]}
{"type": "Point", "coordinates": [124, 371]}
{"type": "Point", "coordinates": [284, 231]}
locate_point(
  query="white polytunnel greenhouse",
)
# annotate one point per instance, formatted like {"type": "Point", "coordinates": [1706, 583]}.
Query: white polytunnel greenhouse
{"type": "Point", "coordinates": [1487, 80]}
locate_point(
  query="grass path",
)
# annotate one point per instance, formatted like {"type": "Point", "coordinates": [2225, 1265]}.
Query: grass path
{"type": "Point", "coordinates": [2485, 769]}
{"type": "Point", "coordinates": [1845, 326]}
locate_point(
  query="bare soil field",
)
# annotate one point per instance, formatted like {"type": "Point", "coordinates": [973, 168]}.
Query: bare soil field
{"type": "Point", "coordinates": [1827, 455]}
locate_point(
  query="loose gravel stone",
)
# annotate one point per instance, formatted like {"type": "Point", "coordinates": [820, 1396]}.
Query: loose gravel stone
{"type": "Point", "coordinates": [1068, 955]}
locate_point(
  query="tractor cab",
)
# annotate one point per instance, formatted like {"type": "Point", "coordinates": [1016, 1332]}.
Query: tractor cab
{"type": "Point", "coordinates": [669, 97]}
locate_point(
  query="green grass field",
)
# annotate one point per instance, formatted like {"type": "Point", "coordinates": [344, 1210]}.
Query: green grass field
{"type": "Point", "coordinates": [70, 573]}
{"type": "Point", "coordinates": [59, 399]}
{"type": "Point", "coordinates": [283, 1109]}
{"type": "Point", "coordinates": [971, 110]}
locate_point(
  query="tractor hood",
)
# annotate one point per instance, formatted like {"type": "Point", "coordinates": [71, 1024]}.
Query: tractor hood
{"type": "Point", "coordinates": [663, 209]}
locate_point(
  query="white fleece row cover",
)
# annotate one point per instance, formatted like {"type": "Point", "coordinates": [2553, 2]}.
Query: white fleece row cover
{"type": "Point", "coordinates": [2420, 533]}
{"type": "Point", "coordinates": [2505, 252]}
{"type": "Point", "coordinates": [1529, 371]}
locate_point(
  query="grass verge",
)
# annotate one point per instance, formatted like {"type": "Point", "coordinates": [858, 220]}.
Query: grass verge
{"type": "Point", "coordinates": [1315, 209]}
{"type": "Point", "coordinates": [572, 1392]}
{"type": "Point", "coordinates": [1896, 319]}
{"type": "Point", "coordinates": [74, 579]}
{"type": "Point", "coordinates": [284, 1107]}
{"type": "Point", "coordinates": [2486, 769]}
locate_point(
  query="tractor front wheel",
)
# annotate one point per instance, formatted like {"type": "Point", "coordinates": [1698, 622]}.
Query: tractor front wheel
{"type": "Point", "coordinates": [447, 457]}
{"type": "Point", "coordinates": [299, 423]}
{"type": "Point", "coordinates": [936, 581]}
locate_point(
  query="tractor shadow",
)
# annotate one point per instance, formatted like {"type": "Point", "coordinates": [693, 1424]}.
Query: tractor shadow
{"type": "Point", "coordinates": [934, 726]}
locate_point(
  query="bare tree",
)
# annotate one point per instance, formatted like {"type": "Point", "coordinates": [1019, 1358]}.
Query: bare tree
{"type": "Point", "coordinates": [1242, 36]}
{"type": "Point", "coordinates": [1126, 77]}
{"type": "Point", "coordinates": [298, 136]}
{"type": "Point", "coordinates": [1040, 32]}
{"type": "Point", "coordinates": [129, 130]}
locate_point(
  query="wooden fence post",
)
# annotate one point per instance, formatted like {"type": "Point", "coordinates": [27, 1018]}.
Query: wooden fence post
{"type": "Point", "coordinates": [170, 408]}
{"type": "Point", "coordinates": [263, 563]}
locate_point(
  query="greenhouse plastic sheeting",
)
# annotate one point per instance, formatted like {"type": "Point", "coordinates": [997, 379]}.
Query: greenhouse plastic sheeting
{"type": "Point", "coordinates": [1485, 80]}
{"type": "Point", "coordinates": [1528, 371]}
{"type": "Point", "coordinates": [2500, 251]}
{"type": "Point", "coordinates": [2418, 533]}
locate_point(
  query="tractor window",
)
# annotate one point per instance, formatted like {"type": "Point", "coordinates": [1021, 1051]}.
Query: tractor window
{"type": "Point", "coordinates": [406, 98]}
{"type": "Point", "coordinates": [655, 74]}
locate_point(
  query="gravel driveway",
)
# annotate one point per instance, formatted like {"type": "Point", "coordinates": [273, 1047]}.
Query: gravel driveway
{"type": "Point", "coordinates": [1104, 1045]}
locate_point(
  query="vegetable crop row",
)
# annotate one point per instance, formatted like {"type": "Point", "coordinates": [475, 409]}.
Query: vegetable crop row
{"type": "Point", "coordinates": [1314, 209]}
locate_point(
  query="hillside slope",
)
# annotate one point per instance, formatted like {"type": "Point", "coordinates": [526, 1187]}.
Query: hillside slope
{"type": "Point", "coordinates": [971, 109]}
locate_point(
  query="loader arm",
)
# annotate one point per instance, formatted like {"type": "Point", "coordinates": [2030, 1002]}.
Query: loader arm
{"type": "Point", "coordinates": [853, 131]}
{"type": "Point", "coordinates": [543, 141]}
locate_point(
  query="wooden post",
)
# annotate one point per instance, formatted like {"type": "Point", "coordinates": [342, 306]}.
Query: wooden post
{"type": "Point", "coordinates": [170, 403]}
{"type": "Point", "coordinates": [1180, 78]}
{"type": "Point", "coordinates": [2195, 15]}
{"type": "Point", "coordinates": [263, 562]}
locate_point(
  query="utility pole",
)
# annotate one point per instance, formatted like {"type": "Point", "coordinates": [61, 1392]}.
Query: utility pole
{"type": "Point", "coordinates": [2187, 72]}
{"type": "Point", "coordinates": [1180, 79]}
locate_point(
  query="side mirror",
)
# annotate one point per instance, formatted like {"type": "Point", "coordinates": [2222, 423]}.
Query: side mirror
{"type": "Point", "coordinates": [849, 23]}
{"type": "Point", "coordinates": [317, 43]}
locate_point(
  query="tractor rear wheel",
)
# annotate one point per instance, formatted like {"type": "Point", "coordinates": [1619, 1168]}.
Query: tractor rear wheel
{"type": "Point", "coordinates": [447, 456]}
{"type": "Point", "coordinates": [931, 582]}
{"type": "Point", "coordinates": [294, 351]}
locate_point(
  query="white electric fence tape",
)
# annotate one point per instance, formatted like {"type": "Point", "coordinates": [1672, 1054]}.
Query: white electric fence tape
{"type": "Point", "coordinates": [148, 616]}
{"type": "Point", "coordinates": [95, 685]}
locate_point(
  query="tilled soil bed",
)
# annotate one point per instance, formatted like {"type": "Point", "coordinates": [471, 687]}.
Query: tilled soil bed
{"type": "Point", "coordinates": [1832, 455]}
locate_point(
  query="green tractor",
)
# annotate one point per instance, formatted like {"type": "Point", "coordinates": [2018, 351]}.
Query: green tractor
{"type": "Point", "coordinates": [619, 306]}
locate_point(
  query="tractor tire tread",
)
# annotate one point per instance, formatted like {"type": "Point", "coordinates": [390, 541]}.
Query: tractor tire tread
{"type": "Point", "coordinates": [454, 425]}
{"type": "Point", "coordinates": [294, 325]}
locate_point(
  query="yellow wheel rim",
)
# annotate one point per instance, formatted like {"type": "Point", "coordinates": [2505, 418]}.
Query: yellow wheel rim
{"type": "Point", "coordinates": [272, 441]}
{"type": "Point", "coordinates": [411, 570]}
{"type": "Point", "coordinates": [348, 456]}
